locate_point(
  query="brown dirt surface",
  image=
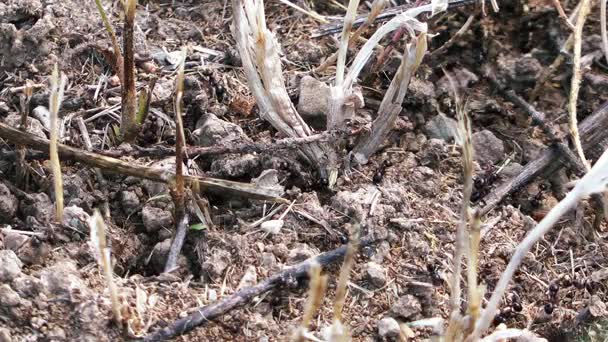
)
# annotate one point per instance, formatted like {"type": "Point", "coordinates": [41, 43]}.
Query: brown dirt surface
{"type": "Point", "coordinates": [51, 288]}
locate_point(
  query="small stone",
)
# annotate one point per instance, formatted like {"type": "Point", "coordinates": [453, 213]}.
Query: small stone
{"type": "Point", "coordinates": [32, 125]}
{"type": "Point", "coordinates": [269, 261]}
{"type": "Point", "coordinates": [26, 285]}
{"type": "Point", "coordinates": [488, 148]}
{"type": "Point", "coordinates": [407, 308]}
{"type": "Point", "coordinates": [217, 262]}
{"type": "Point", "coordinates": [442, 127]}
{"type": "Point", "coordinates": [8, 297]}
{"type": "Point", "coordinates": [511, 170]}
{"type": "Point", "coordinates": [314, 98]}
{"type": "Point", "coordinates": [212, 130]}
{"type": "Point", "coordinates": [43, 115]}
{"type": "Point", "coordinates": [250, 278]}
{"type": "Point", "coordinates": [156, 218]}
{"type": "Point", "coordinates": [10, 265]}
{"type": "Point", "coordinates": [14, 241]}
{"type": "Point", "coordinates": [76, 218]}
{"type": "Point", "coordinates": [8, 204]}
{"type": "Point", "coordinates": [300, 252]}
{"type": "Point", "coordinates": [62, 279]}
{"type": "Point", "coordinates": [129, 201]}
{"type": "Point", "coordinates": [376, 274]}
{"type": "Point", "coordinates": [5, 335]}
{"type": "Point", "coordinates": [212, 295]}
{"type": "Point", "coordinates": [388, 328]}
{"type": "Point", "coordinates": [40, 207]}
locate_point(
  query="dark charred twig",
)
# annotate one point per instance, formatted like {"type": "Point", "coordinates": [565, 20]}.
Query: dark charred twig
{"type": "Point", "coordinates": [128, 168]}
{"type": "Point", "coordinates": [564, 151]}
{"type": "Point", "coordinates": [178, 194]}
{"type": "Point", "coordinates": [537, 119]}
{"type": "Point", "coordinates": [386, 14]}
{"type": "Point", "coordinates": [210, 312]}
{"type": "Point", "coordinates": [465, 27]}
{"type": "Point", "coordinates": [129, 127]}
{"type": "Point", "coordinates": [593, 134]}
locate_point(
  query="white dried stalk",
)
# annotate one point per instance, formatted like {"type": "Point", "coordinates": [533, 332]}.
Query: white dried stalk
{"type": "Point", "coordinates": [576, 80]}
{"type": "Point", "coordinates": [316, 290]}
{"type": "Point", "coordinates": [259, 53]}
{"type": "Point", "coordinates": [595, 181]}
{"type": "Point", "coordinates": [393, 99]}
{"type": "Point", "coordinates": [98, 239]}
{"type": "Point", "coordinates": [461, 246]}
{"type": "Point", "coordinates": [338, 332]}
{"type": "Point", "coordinates": [57, 90]}
{"type": "Point", "coordinates": [407, 19]}
{"type": "Point", "coordinates": [349, 19]}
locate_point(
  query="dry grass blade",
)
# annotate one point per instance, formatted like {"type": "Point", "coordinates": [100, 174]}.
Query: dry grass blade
{"type": "Point", "coordinates": [316, 290]}
{"type": "Point", "coordinates": [351, 14]}
{"type": "Point", "coordinates": [178, 194]}
{"type": "Point", "coordinates": [117, 54]}
{"type": "Point", "coordinates": [377, 8]}
{"type": "Point", "coordinates": [475, 292]}
{"type": "Point", "coordinates": [461, 245]}
{"type": "Point", "coordinates": [98, 239]}
{"type": "Point", "coordinates": [57, 89]}
{"type": "Point", "coordinates": [595, 181]}
{"type": "Point", "coordinates": [259, 53]}
{"type": "Point", "coordinates": [393, 99]}
{"type": "Point", "coordinates": [576, 80]}
{"type": "Point", "coordinates": [316, 16]}
{"type": "Point", "coordinates": [338, 330]}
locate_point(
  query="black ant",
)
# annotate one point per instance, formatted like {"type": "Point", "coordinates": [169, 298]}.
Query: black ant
{"type": "Point", "coordinates": [483, 181]}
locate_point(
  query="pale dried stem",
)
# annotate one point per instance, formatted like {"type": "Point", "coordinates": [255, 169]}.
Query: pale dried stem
{"type": "Point", "coordinates": [391, 103]}
{"type": "Point", "coordinates": [316, 291]}
{"type": "Point", "coordinates": [179, 197]}
{"type": "Point", "coordinates": [262, 66]}
{"type": "Point", "coordinates": [576, 80]}
{"type": "Point", "coordinates": [98, 239]}
{"type": "Point", "coordinates": [461, 245]}
{"type": "Point", "coordinates": [377, 8]}
{"type": "Point", "coordinates": [351, 14]}
{"type": "Point", "coordinates": [57, 89]}
{"type": "Point", "coordinates": [562, 14]}
{"type": "Point", "coordinates": [349, 261]}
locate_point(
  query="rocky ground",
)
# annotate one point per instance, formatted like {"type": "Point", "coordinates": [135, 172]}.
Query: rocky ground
{"type": "Point", "coordinates": [51, 288]}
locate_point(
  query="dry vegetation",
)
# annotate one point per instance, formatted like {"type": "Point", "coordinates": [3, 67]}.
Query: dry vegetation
{"type": "Point", "coordinates": [193, 181]}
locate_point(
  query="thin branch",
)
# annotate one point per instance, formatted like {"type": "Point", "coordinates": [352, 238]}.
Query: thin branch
{"type": "Point", "coordinates": [576, 80]}
{"type": "Point", "coordinates": [15, 136]}
{"type": "Point", "coordinates": [562, 14]}
{"type": "Point", "coordinates": [178, 194]}
{"type": "Point", "coordinates": [208, 313]}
